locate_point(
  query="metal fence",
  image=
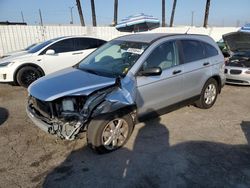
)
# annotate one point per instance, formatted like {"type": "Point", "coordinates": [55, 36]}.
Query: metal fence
{"type": "Point", "coordinates": [16, 37]}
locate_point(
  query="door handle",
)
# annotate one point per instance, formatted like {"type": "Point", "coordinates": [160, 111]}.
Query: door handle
{"type": "Point", "coordinates": [206, 63]}
{"type": "Point", "coordinates": [76, 53]}
{"type": "Point", "coordinates": [176, 71]}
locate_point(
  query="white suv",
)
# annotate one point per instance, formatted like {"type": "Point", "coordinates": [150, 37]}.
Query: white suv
{"type": "Point", "coordinates": [45, 58]}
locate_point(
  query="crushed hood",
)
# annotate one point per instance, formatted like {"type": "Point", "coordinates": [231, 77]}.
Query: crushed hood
{"type": "Point", "coordinates": [237, 41]}
{"type": "Point", "coordinates": [68, 82]}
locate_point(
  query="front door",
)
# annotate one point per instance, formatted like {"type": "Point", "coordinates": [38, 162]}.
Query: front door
{"type": "Point", "coordinates": [157, 92]}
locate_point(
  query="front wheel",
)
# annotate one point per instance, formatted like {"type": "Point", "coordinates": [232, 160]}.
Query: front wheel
{"type": "Point", "coordinates": [208, 95]}
{"type": "Point", "coordinates": [27, 75]}
{"type": "Point", "coordinates": [108, 133]}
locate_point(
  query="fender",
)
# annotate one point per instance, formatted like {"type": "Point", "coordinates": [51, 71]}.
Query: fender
{"type": "Point", "coordinates": [119, 97]}
{"type": "Point", "coordinates": [24, 65]}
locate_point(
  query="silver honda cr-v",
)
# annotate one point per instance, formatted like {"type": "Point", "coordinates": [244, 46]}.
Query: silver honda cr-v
{"type": "Point", "coordinates": [126, 79]}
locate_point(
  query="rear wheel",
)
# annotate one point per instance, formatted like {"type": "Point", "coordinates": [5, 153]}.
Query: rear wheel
{"type": "Point", "coordinates": [27, 75]}
{"type": "Point", "coordinates": [208, 95]}
{"type": "Point", "coordinates": [108, 133]}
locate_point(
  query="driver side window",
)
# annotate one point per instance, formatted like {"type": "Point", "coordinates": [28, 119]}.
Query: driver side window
{"type": "Point", "coordinates": [163, 56]}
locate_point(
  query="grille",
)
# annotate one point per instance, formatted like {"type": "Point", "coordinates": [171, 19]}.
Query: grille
{"type": "Point", "coordinates": [225, 71]}
{"type": "Point", "coordinates": [236, 81]}
{"type": "Point", "coordinates": [234, 71]}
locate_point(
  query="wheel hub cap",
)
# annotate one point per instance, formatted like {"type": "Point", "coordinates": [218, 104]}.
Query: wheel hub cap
{"type": "Point", "coordinates": [115, 134]}
{"type": "Point", "coordinates": [210, 94]}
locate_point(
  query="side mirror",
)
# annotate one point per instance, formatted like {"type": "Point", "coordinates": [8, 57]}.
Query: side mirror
{"type": "Point", "coordinates": [155, 71]}
{"type": "Point", "coordinates": [50, 52]}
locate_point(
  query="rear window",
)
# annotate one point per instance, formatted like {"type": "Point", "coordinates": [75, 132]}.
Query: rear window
{"type": "Point", "coordinates": [192, 50]}
{"type": "Point", "coordinates": [210, 51]}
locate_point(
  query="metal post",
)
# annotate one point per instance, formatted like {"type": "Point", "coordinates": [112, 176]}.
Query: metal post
{"type": "Point", "coordinates": [192, 19]}
{"type": "Point", "coordinates": [71, 14]}
{"type": "Point", "coordinates": [22, 16]}
{"type": "Point", "coordinates": [41, 19]}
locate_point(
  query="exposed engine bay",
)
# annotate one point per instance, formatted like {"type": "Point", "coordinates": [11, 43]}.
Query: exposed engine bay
{"type": "Point", "coordinates": [237, 61]}
{"type": "Point", "coordinates": [68, 116]}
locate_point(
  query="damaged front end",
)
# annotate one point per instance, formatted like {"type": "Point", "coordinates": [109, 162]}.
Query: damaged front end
{"type": "Point", "coordinates": [67, 116]}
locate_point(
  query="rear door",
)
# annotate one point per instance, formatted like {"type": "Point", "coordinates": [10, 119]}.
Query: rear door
{"type": "Point", "coordinates": [196, 67]}
{"type": "Point", "coordinates": [157, 92]}
{"type": "Point", "coordinates": [84, 46]}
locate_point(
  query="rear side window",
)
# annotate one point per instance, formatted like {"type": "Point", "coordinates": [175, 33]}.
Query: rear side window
{"type": "Point", "coordinates": [62, 46]}
{"type": "Point", "coordinates": [210, 51]}
{"type": "Point", "coordinates": [192, 50]}
{"type": "Point", "coordinates": [87, 43]}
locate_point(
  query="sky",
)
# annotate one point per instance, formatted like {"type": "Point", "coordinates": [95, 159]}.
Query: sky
{"type": "Point", "coordinates": [222, 12]}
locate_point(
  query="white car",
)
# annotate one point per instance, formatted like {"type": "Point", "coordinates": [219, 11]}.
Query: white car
{"type": "Point", "coordinates": [45, 58]}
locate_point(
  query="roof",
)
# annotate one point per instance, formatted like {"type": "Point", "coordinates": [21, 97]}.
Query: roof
{"type": "Point", "coordinates": [152, 37]}
{"type": "Point", "coordinates": [143, 37]}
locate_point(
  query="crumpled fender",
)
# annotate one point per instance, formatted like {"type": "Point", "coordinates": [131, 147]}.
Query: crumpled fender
{"type": "Point", "coordinates": [123, 95]}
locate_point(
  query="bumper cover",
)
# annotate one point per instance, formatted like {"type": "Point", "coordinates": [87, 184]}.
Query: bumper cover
{"type": "Point", "coordinates": [39, 123]}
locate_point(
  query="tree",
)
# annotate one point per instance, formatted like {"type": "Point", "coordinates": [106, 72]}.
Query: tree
{"type": "Point", "coordinates": [78, 4]}
{"type": "Point", "coordinates": [163, 13]}
{"type": "Point", "coordinates": [206, 13]}
{"type": "Point", "coordinates": [115, 12]}
{"type": "Point", "coordinates": [93, 12]}
{"type": "Point", "coordinates": [172, 14]}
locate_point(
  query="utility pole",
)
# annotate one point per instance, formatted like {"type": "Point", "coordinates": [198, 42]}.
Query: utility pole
{"type": "Point", "coordinates": [93, 12]}
{"type": "Point", "coordinates": [22, 16]}
{"type": "Point", "coordinates": [172, 14]}
{"type": "Point", "coordinates": [71, 14]}
{"type": "Point", "coordinates": [41, 19]}
{"type": "Point", "coordinates": [206, 14]}
{"type": "Point", "coordinates": [163, 24]}
{"type": "Point", "coordinates": [78, 4]}
{"type": "Point", "coordinates": [192, 19]}
{"type": "Point", "coordinates": [115, 12]}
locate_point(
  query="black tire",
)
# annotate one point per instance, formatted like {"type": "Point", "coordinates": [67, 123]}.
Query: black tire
{"type": "Point", "coordinates": [26, 75]}
{"type": "Point", "coordinates": [97, 127]}
{"type": "Point", "coordinates": [204, 102]}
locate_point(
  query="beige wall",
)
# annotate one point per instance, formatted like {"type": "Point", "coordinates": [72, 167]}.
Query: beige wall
{"type": "Point", "coordinates": [17, 37]}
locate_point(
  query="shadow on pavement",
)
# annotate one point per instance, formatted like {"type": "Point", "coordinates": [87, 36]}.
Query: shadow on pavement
{"type": "Point", "coordinates": [4, 114]}
{"type": "Point", "coordinates": [154, 163]}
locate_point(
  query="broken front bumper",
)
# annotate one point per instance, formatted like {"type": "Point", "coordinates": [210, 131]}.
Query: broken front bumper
{"type": "Point", "coordinates": [38, 122]}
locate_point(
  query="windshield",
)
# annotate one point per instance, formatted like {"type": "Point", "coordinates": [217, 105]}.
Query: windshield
{"type": "Point", "coordinates": [113, 59]}
{"type": "Point", "coordinates": [40, 46]}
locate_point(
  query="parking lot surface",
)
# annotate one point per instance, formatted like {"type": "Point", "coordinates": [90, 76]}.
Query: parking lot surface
{"type": "Point", "coordinates": [189, 147]}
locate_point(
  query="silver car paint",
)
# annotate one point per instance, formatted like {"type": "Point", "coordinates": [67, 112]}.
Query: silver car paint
{"type": "Point", "coordinates": [68, 82]}
{"type": "Point", "coordinates": [146, 93]}
{"type": "Point", "coordinates": [240, 77]}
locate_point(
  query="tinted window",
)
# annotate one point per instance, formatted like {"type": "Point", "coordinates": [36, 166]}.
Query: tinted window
{"type": "Point", "coordinates": [66, 45]}
{"type": "Point", "coordinates": [192, 50]}
{"type": "Point", "coordinates": [164, 56]}
{"type": "Point", "coordinates": [87, 43]}
{"type": "Point", "coordinates": [210, 51]}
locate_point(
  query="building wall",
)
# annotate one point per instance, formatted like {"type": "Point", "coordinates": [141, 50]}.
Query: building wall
{"type": "Point", "coordinates": [16, 37]}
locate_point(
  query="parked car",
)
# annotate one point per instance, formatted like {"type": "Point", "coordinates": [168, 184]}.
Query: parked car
{"type": "Point", "coordinates": [45, 58]}
{"type": "Point", "coordinates": [19, 51]}
{"type": "Point", "coordinates": [237, 69]}
{"type": "Point", "coordinates": [126, 79]}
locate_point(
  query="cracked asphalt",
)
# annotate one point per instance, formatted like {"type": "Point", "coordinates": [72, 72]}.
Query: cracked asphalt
{"type": "Point", "coordinates": [189, 147]}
